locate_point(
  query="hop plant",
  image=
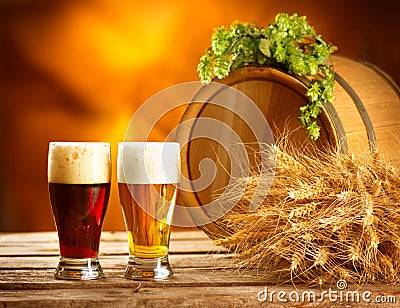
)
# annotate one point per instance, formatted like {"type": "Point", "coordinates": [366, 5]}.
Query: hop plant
{"type": "Point", "coordinates": [290, 44]}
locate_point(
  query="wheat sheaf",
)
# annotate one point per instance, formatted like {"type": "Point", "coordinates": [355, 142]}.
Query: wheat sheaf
{"type": "Point", "coordinates": [325, 218]}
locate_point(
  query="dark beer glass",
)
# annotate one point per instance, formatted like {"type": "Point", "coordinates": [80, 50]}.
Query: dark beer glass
{"type": "Point", "coordinates": [148, 173]}
{"type": "Point", "coordinates": [79, 176]}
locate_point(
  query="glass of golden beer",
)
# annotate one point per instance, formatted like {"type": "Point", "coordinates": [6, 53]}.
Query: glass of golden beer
{"type": "Point", "coordinates": [79, 176]}
{"type": "Point", "coordinates": [148, 174]}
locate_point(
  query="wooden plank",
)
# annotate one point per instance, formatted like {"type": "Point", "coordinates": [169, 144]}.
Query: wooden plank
{"type": "Point", "coordinates": [200, 279]}
{"type": "Point", "coordinates": [44, 279]}
{"type": "Point", "coordinates": [237, 296]}
{"type": "Point", "coordinates": [27, 237]}
{"type": "Point", "coordinates": [106, 249]}
{"type": "Point", "coordinates": [182, 297]}
{"type": "Point", "coordinates": [114, 262]}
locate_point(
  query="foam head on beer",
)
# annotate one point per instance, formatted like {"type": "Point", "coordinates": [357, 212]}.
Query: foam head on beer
{"type": "Point", "coordinates": [79, 163]}
{"type": "Point", "coordinates": [148, 162]}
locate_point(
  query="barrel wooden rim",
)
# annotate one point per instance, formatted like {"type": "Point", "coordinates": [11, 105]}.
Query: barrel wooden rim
{"type": "Point", "coordinates": [299, 85]}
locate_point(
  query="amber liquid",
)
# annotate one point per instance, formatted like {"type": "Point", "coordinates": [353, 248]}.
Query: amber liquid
{"type": "Point", "coordinates": [147, 210]}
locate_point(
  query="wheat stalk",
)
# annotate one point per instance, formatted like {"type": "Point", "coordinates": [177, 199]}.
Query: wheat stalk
{"type": "Point", "coordinates": [326, 217]}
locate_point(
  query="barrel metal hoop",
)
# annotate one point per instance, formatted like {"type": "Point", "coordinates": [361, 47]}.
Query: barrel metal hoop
{"type": "Point", "coordinates": [343, 144]}
{"type": "Point", "coordinates": [361, 110]}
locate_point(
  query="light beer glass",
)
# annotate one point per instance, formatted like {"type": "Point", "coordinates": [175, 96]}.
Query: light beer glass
{"type": "Point", "coordinates": [79, 177]}
{"type": "Point", "coordinates": [148, 174]}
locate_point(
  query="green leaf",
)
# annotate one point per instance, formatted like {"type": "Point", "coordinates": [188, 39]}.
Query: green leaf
{"type": "Point", "coordinates": [314, 130]}
{"type": "Point", "coordinates": [314, 91]}
{"type": "Point", "coordinates": [264, 47]}
{"type": "Point", "coordinates": [205, 69]}
{"type": "Point", "coordinates": [290, 44]}
{"type": "Point", "coordinates": [221, 41]}
{"type": "Point", "coordinates": [221, 67]}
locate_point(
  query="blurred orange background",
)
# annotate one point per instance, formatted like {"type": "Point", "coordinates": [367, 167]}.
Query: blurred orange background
{"type": "Point", "coordinates": [78, 70]}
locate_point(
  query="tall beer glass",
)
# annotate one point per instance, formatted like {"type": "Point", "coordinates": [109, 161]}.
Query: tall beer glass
{"type": "Point", "coordinates": [148, 173]}
{"type": "Point", "coordinates": [79, 176]}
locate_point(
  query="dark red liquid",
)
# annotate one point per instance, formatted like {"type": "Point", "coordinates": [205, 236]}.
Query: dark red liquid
{"type": "Point", "coordinates": [79, 211]}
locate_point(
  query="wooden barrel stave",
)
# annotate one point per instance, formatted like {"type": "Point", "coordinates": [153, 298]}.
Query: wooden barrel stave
{"type": "Point", "coordinates": [380, 101]}
{"type": "Point", "coordinates": [375, 99]}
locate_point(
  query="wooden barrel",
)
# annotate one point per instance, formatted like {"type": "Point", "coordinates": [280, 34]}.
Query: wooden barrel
{"type": "Point", "coordinates": [364, 116]}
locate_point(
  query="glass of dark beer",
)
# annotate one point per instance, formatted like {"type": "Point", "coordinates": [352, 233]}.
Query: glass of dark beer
{"type": "Point", "coordinates": [148, 175]}
{"type": "Point", "coordinates": [79, 176]}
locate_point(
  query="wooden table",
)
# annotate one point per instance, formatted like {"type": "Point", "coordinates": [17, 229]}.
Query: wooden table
{"type": "Point", "coordinates": [203, 277]}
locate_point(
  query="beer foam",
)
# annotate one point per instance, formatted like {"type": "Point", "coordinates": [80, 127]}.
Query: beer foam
{"type": "Point", "coordinates": [148, 162]}
{"type": "Point", "coordinates": [79, 163]}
